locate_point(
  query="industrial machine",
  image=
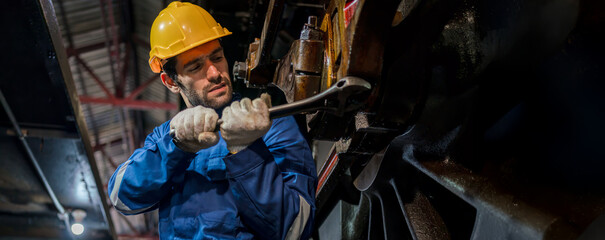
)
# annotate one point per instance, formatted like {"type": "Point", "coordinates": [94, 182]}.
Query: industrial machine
{"type": "Point", "coordinates": [458, 119]}
{"type": "Point", "coordinates": [450, 119]}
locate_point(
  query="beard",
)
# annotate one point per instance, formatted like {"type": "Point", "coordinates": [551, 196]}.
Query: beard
{"type": "Point", "coordinates": [200, 98]}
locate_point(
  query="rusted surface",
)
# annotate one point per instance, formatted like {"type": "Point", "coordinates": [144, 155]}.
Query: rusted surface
{"type": "Point", "coordinates": [306, 86]}
{"type": "Point", "coordinates": [299, 74]}
{"type": "Point", "coordinates": [308, 56]}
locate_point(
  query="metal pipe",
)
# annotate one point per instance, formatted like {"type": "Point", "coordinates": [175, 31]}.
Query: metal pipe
{"type": "Point", "coordinates": [50, 191]}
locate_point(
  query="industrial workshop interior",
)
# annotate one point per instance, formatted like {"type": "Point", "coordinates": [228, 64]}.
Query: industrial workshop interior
{"type": "Point", "coordinates": [423, 119]}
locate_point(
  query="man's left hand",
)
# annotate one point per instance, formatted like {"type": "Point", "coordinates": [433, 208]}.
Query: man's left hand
{"type": "Point", "coordinates": [245, 121]}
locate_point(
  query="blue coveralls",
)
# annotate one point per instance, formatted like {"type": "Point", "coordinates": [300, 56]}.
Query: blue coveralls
{"type": "Point", "coordinates": [266, 191]}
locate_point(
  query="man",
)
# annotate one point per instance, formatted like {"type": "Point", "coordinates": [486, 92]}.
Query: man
{"type": "Point", "coordinates": [253, 179]}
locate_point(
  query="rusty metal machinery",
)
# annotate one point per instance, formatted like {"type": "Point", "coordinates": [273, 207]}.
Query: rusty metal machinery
{"type": "Point", "coordinates": [301, 68]}
{"type": "Point", "coordinates": [481, 120]}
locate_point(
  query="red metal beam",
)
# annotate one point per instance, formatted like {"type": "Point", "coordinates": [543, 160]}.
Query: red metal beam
{"type": "Point", "coordinates": [132, 104]}
{"type": "Point", "coordinates": [95, 46]}
{"type": "Point", "coordinates": [142, 87]}
{"type": "Point", "coordinates": [95, 77]}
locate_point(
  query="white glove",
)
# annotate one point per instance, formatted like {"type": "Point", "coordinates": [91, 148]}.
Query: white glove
{"type": "Point", "coordinates": [245, 121]}
{"type": "Point", "coordinates": [194, 129]}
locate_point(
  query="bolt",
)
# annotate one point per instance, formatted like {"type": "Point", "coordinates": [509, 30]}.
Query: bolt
{"type": "Point", "coordinates": [312, 21]}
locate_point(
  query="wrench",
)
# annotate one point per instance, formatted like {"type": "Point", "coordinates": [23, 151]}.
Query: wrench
{"type": "Point", "coordinates": [332, 100]}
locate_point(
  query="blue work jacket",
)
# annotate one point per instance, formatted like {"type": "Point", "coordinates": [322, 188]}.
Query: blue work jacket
{"type": "Point", "coordinates": [266, 191]}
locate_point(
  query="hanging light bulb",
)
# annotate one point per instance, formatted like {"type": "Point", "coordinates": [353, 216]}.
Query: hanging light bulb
{"type": "Point", "coordinates": [78, 228]}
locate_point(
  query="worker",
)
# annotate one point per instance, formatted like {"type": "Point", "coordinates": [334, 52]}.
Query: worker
{"type": "Point", "coordinates": [253, 179]}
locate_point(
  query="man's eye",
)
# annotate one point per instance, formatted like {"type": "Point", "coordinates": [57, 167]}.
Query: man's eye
{"type": "Point", "coordinates": [194, 68]}
{"type": "Point", "coordinates": [216, 59]}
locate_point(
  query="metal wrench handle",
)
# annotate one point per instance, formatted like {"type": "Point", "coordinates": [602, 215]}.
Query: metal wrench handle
{"type": "Point", "coordinates": [340, 91]}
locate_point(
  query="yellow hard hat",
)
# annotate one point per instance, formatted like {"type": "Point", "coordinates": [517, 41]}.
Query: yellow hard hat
{"type": "Point", "coordinates": [178, 28]}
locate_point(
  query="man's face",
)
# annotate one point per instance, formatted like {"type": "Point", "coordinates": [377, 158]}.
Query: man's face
{"type": "Point", "coordinates": [204, 75]}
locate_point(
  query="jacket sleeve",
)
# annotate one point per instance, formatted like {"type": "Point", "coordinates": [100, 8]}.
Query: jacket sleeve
{"type": "Point", "coordinates": [140, 183]}
{"type": "Point", "coordinates": [273, 181]}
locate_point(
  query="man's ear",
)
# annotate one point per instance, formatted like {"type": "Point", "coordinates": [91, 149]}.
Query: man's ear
{"type": "Point", "coordinates": [169, 83]}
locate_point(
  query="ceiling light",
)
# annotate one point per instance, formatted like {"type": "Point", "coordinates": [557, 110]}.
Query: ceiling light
{"type": "Point", "coordinates": [78, 228]}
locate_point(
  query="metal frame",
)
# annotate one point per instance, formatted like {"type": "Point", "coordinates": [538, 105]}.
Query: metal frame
{"type": "Point", "coordinates": [63, 215]}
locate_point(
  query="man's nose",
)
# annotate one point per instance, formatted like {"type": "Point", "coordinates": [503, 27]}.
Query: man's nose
{"type": "Point", "coordinates": [213, 74]}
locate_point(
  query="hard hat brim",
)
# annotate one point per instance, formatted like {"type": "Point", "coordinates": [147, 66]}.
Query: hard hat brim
{"type": "Point", "coordinates": [155, 61]}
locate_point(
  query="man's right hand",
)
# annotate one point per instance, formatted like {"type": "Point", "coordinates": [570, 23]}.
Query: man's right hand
{"type": "Point", "coordinates": [194, 128]}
